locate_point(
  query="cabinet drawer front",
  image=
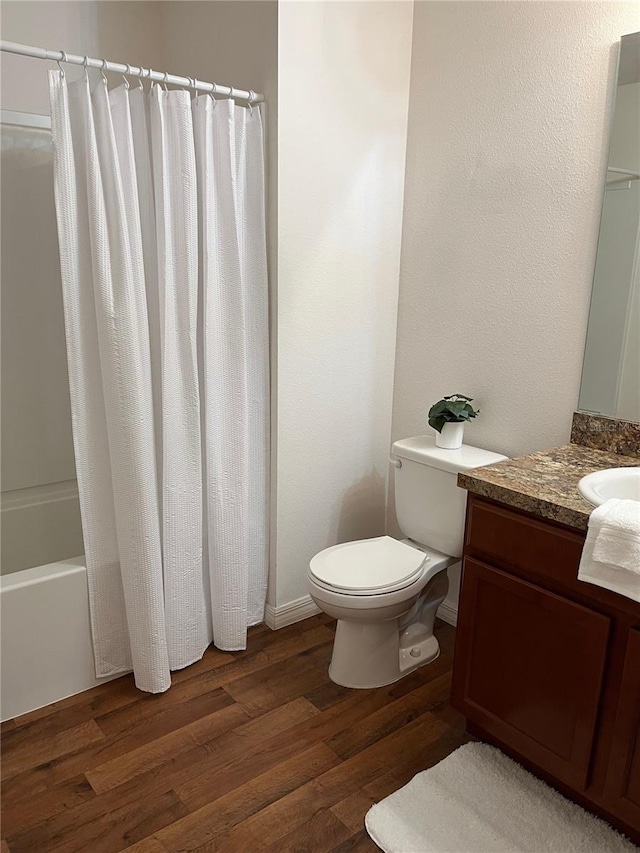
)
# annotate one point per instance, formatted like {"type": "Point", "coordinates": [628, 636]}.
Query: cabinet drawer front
{"type": "Point", "coordinates": [516, 542]}
{"type": "Point", "coordinates": [623, 775]}
{"type": "Point", "coordinates": [528, 669]}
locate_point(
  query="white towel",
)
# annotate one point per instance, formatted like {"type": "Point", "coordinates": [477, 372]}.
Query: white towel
{"type": "Point", "coordinates": [611, 553]}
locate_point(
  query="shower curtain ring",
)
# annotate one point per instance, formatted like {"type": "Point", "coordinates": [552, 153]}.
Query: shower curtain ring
{"type": "Point", "coordinates": [127, 85]}
{"type": "Point", "coordinates": [85, 65]}
{"type": "Point", "coordinates": [104, 76]}
{"type": "Point", "coordinates": [64, 59]}
{"type": "Point", "coordinates": [165, 80]}
{"type": "Point", "coordinates": [143, 72]}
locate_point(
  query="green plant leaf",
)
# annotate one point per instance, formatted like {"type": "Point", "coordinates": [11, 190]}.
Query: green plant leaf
{"type": "Point", "coordinates": [454, 408]}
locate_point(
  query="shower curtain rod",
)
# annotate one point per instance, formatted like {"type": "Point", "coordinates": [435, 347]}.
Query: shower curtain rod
{"type": "Point", "coordinates": [130, 71]}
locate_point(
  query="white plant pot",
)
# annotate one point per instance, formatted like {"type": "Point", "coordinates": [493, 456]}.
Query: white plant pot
{"type": "Point", "coordinates": [451, 436]}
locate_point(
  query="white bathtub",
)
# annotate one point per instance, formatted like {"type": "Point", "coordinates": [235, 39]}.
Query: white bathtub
{"type": "Point", "coordinates": [46, 652]}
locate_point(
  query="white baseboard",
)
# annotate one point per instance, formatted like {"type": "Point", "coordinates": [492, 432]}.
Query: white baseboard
{"type": "Point", "coordinates": [303, 608]}
{"type": "Point", "coordinates": [287, 614]}
{"type": "Point", "coordinates": [448, 612]}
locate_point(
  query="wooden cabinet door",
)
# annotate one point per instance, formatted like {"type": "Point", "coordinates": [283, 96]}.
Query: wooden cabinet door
{"type": "Point", "coordinates": [528, 669]}
{"type": "Point", "coordinates": [623, 776]}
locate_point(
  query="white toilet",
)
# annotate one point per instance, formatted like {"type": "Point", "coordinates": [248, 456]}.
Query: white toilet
{"type": "Point", "coordinates": [384, 592]}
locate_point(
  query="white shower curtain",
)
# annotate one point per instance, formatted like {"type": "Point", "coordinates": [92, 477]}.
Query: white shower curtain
{"type": "Point", "coordinates": [160, 208]}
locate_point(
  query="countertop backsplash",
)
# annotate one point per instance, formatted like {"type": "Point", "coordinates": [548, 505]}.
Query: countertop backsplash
{"type": "Point", "coordinates": [609, 434]}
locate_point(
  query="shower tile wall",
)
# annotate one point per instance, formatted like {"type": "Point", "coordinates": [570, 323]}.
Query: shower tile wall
{"type": "Point", "coordinates": [39, 501]}
{"type": "Point", "coordinates": [40, 513]}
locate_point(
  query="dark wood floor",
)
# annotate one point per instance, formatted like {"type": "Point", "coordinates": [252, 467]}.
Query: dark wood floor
{"type": "Point", "coordinates": [251, 751]}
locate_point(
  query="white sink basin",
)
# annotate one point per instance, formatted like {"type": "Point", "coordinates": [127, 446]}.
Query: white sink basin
{"type": "Point", "coordinates": [611, 483]}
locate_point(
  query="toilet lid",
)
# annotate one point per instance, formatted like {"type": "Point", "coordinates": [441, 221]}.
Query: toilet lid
{"type": "Point", "coordinates": [368, 565]}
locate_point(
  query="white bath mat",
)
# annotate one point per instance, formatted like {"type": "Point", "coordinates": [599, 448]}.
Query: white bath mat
{"type": "Point", "coordinates": [479, 801]}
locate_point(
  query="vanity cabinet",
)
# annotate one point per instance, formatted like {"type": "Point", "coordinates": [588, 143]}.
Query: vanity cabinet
{"type": "Point", "coordinates": [547, 667]}
{"type": "Point", "coordinates": [623, 777]}
{"type": "Point", "coordinates": [534, 663]}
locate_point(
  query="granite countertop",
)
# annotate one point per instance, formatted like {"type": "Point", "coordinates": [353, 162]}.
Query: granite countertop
{"type": "Point", "coordinates": [545, 483]}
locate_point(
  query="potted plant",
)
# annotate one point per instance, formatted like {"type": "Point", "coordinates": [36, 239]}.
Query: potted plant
{"type": "Point", "coordinates": [448, 417]}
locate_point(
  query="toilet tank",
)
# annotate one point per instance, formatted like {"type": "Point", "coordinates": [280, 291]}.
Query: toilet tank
{"type": "Point", "coordinates": [429, 505]}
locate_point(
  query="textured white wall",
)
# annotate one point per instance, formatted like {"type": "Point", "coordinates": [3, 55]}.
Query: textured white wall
{"type": "Point", "coordinates": [122, 31]}
{"type": "Point", "coordinates": [343, 99]}
{"type": "Point", "coordinates": [509, 114]}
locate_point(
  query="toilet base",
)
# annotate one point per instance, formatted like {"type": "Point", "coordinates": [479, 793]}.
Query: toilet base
{"type": "Point", "coordinates": [374, 654]}
{"type": "Point", "coordinates": [418, 655]}
{"type": "Point", "coordinates": [349, 675]}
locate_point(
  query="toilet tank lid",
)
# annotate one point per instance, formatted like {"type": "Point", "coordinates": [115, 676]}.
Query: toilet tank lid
{"type": "Point", "coordinates": [422, 448]}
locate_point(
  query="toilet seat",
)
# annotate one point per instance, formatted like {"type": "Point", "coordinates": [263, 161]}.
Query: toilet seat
{"type": "Point", "coordinates": [368, 566]}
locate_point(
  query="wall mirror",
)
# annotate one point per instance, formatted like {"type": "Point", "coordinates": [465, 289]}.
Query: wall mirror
{"type": "Point", "coordinates": [611, 370]}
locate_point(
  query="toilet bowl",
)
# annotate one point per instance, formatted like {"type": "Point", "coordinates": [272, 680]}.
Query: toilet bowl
{"type": "Point", "coordinates": [384, 594]}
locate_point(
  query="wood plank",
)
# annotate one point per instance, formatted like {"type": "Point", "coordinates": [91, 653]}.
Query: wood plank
{"type": "Point", "coordinates": [402, 772]}
{"type": "Point", "coordinates": [220, 780]}
{"type": "Point", "coordinates": [327, 694]}
{"type": "Point", "coordinates": [281, 649]}
{"type": "Point", "coordinates": [283, 645]}
{"type": "Point", "coordinates": [351, 811]}
{"type": "Point", "coordinates": [205, 762]}
{"type": "Point", "coordinates": [271, 745]}
{"type": "Point", "coordinates": [213, 658]}
{"type": "Point", "coordinates": [360, 843]}
{"type": "Point", "coordinates": [150, 844]}
{"type": "Point", "coordinates": [277, 722]}
{"type": "Point", "coordinates": [68, 766]}
{"type": "Point", "coordinates": [264, 648]}
{"type": "Point", "coordinates": [390, 717]}
{"type": "Point", "coordinates": [130, 732]}
{"type": "Point", "coordinates": [111, 694]}
{"type": "Point", "coordinates": [349, 718]}
{"type": "Point", "coordinates": [207, 745]}
{"type": "Point", "coordinates": [381, 786]}
{"type": "Point", "coordinates": [31, 754]}
{"type": "Point", "coordinates": [321, 834]}
{"type": "Point", "coordinates": [264, 638]}
{"type": "Point", "coordinates": [19, 813]}
{"type": "Point", "coordinates": [236, 840]}
{"type": "Point", "coordinates": [202, 826]}
{"type": "Point", "coordinates": [165, 712]}
{"type": "Point", "coordinates": [272, 686]}
{"type": "Point", "coordinates": [135, 762]}
{"type": "Point", "coordinates": [194, 770]}
{"type": "Point", "coordinates": [121, 708]}
{"type": "Point", "coordinates": [116, 829]}
{"type": "Point", "coordinates": [124, 736]}
{"type": "Point", "coordinates": [347, 777]}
